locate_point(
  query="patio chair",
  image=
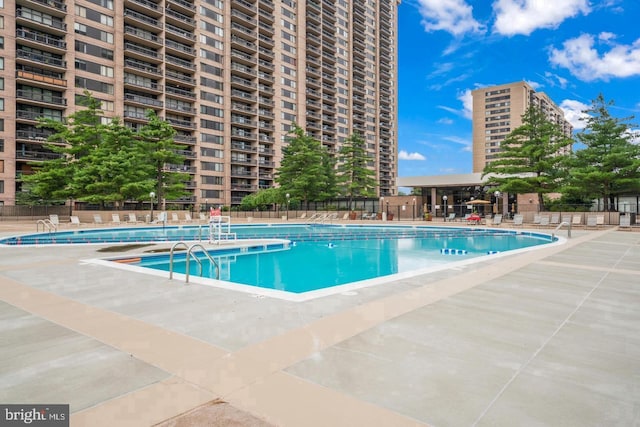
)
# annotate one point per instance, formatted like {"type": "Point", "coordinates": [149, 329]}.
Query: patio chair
{"type": "Point", "coordinates": [625, 222]}
{"type": "Point", "coordinates": [132, 218]}
{"type": "Point", "coordinates": [555, 219]}
{"type": "Point", "coordinates": [97, 219]}
{"type": "Point", "coordinates": [174, 217]}
{"type": "Point", "coordinates": [202, 217]}
{"type": "Point", "coordinates": [187, 218]}
{"type": "Point", "coordinates": [369, 215]}
{"type": "Point", "coordinates": [592, 222]}
{"type": "Point", "coordinates": [544, 221]}
{"type": "Point", "coordinates": [566, 219]}
{"type": "Point", "coordinates": [54, 220]}
{"type": "Point", "coordinates": [74, 220]}
{"type": "Point", "coordinates": [115, 219]}
{"type": "Point", "coordinates": [536, 219]}
{"type": "Point", "coordinates": [576, 220]}
{"type": "Point", "coordinates": [517, 220]}
{"type": "Point", "coordinates": [600, 221]}
{"type": "Point", "coordinates": [497, 219]}
{"type": "Point", "coordinates": [451, 217]}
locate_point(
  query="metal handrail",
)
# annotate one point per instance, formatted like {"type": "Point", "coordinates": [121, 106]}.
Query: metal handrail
{"type": "Point", "coordinates": [47, 225]}
{"type": "Point", "coordinates": [211, 260]}
{"type": "Point", "coordinates": [175, 245]}
{"type": "Point", "coordinates": [568, 224]}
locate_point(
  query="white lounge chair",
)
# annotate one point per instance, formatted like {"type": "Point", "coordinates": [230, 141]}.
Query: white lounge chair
{"type": "Point", "coordinates": [451, 217]}
{"type": "Point", "coordinates": [74, 220]}
{"type": "Point", "coordinates": [497, 219]}
{"type": "Point", "coordinates": [544, 221]}
{"type": "Point", "coordinates": [625, 222]}
{"type": "Point", "coordinates": [517, 220]}
{"type": "Point", "coordinates": [115, 219]}
{"type": "Point", "coordinates": [592, 222]}
{"type": "Point", "coordinates": [174, 217]}
{"type": "Point", "coordinates": [132, 218]}
{"type": "Point", "coordinates": [54, 220]}
{"type": "Point", "coordinates": [555, 219]}
{"type": "Point", "coordinates": [576, 220]}
{"type": "Point", "coordinates": [187, 217]}
{"type": "Point", "coordinates": [600, 220]}
{"type": "Point", "coordinates": [97, 219]}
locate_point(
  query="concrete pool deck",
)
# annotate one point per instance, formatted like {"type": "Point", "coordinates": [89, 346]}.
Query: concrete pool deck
{"type": "Point", "coordinates": [546, 337]}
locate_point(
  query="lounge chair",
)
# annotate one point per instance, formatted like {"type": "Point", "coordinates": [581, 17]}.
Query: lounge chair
{"type": "Point", "coordinates": [132, 218]}
{"type": "Point", "coordinates": [555, 219]}
{"type": "Point", "coordinates": [97, 219]}
{"type": "Point", "coordinates": [115, 219]}
{"type": "Point", "coordinates": [600, 220]}
{"type": "Point", "coordinates": [345, 216]}
{"type": "Point", "coordinates": [187, 217]}
{"type": "Point", "coordinates": [544, 221]}
{"type": "Point", "coordinates": [451, 217]}
{"type": "Point", "coordinates": [369, 215]}
{"type": "Point", "coordinates": [54, 220]}
{"type": "Point", "coordinates": [625, 222]}
{"type": "Point", "coordinates": [74, 220]}
{"type": "Point", "coordinates": [174, 217]}
{"type": "Point", "coordinates": [202, 217]}
{"type": "Point", "coordinates": [517, 220]}
{"type": "Point", "coordinates": [592, 222]}
{"type": "Point", "coordinates": [576, 220]}
{"type": "Point", "coordinates": [497, 219]}
{"type": "Point", "coordinates": [303, 216]}
{"type": "Point", "coordinates": [566, 219]}
{"type": "Point", "coordinates": [536, 219]}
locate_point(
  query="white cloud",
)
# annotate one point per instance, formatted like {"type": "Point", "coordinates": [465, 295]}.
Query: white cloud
{"type": "Point", "coordinates": [573, 112]}
{"type": "Point", "coordinates": [465, 142]}
{"type": "Point", "coordinates": [467, 103]}
{"type": "Point", "coordinates": [404, 155]}
{"type": "Point", "coordinates": [525, 16]}
{"type": "Point", "coordinates": [584, 61]}
{"type": "Point", "coordinates": [533, 84]}
{"type": "Point", "coordinates": [555, 80]}
{"type": "Point", "coordinates": [452, 16]}
{"type": "Point", "coordinates": [445, 121]}
{"type": "Point", "coordinates": [634, 135]}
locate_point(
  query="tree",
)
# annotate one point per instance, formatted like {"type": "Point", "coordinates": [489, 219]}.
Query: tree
{"type": "Point", "coordinates": [529, 160]}
{"type": "Point", "coordinates": [305, 171]}
{"type": "Point", "coordinates": [165, 162]}
{"type": "Point", "coordinates": [609, 165]}
{"type": "Point", "coordinates": [355, 178]}
{"type": "Point", "coordinates": [72, 140]}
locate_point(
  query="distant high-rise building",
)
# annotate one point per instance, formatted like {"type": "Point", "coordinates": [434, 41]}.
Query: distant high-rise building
{"type": "Point", "coordinates": [498, 110]}
{"type": "Point", "coordinates": [231, 76]}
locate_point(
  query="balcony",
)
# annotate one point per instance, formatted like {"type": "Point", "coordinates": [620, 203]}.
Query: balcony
{"type": "Point", "coordinates": [32, 135]}
{"type": "Point", "coordinates": [146, 7]}
{"type": "Point", "coordinates": [141, 20]}
{"type": "Point", "coordinates": [244, 6]}
{"type": "Point", "coordinates": [183, 6]}
{"type": "Point", "coordinates": [41, 98]}
{"type": "Point", "coordinates": [237, 16]}
{"type": "Point", "coordinates": [41, 59]}
{"type": "Point", "coordinates": [242, 134]}
{"type": "Point", "coordinates": [130, 81]}
{"type": "Point", "coordinates": [181, 123]}
{"type": "Point", "coordinates": [40, 78]}
{"type": "Point", "coordinates": [142, 67]}
{"type": "Point", "coordinates": [52, 7]}
{"type": "Point", "coordinates": [38, 39]}
{"type": "Point", "coordinates": [143, 36]}
{"type": "Point", "coordinates": [180, 49]}
{"type": "Point", "coordinates": [143, 100]}
{"type": "Point", "coordinates": [242, 95]}
{"type": "Point", "coordinates": [185, 139]}
{"type": "Point", "coordinates": [182, 108]}
{"type": "Point", "coordinates": [240, 146]}
{"type": "Point", "coordinates": [175, 91]}
{"type": "Point", "coordinates": [177, 18]}
{"type": "Point", "coordinates": [135, 115]}
{"type": "Point", "coordinates": [36, 156]}
{"type": "Point", "coordinates": [179, 77]}
{"type": "Point", "coordinates": [179, 32]}
{"type": "Point", "coordinates": [52, 25]}
{"type": "Point", "coordinates": [244, 45]}
{"type": "Point", "coordinates": [180, 62]}
{"type": "Point", "coordinates": [33, 116]}
{"type": "Point", "coordinates": [144, 53]}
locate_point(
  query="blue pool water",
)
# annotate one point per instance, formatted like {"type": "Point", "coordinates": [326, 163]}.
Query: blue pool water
{"type": "Point", "coordinates": [326, 260]}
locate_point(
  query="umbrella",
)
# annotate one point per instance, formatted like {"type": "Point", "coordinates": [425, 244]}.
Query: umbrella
{"type": "Point", "coordinates": [478, 202]}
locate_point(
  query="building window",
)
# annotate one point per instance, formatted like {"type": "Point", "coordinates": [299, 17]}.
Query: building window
{"type": "Point", "coordinates": [1, 186]}
{"type": "Point", "coordinates": [1, 145]}
{"type": "Point", "coordinates": [1, 42]}
{"type": "Point", "coordinates": [1, 166]}
{"type": "Point", "coordinates": [1, 104]}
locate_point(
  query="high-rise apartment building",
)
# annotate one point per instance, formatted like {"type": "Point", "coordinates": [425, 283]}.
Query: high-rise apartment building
{"type": "Point", "coordinates": [231, 76]}
{"type": "Point", "coordinates": [498, 110]}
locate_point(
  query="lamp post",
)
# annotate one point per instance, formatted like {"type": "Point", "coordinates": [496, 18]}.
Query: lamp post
{"type": "Point", "coordinates": [152, 195]}
{"type": "Point", "coordinates": [413, 212]}
{"type": "Point", "coordinates": [383, 214]}
{"type": "Point", "coordinates": [288, 196]}
{"type": "Point", "coordinates": [497, 196]}
{"type": "Point", "coordinates": [206, 206]}
{"type": "Point", "coordinates": [444, 199]}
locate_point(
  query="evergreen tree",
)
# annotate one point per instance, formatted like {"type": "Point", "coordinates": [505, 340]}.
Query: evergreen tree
{"type": "Point", "coordinates": [164, 160]}
{"type": "Point", "coordinates": [609, 165]}
{"type": "Point", "coordinates": [304, 172]}
{"type": "Point", "coordinates": [355, 178]}
{"type": "Point", "coordinates": [529, 160]}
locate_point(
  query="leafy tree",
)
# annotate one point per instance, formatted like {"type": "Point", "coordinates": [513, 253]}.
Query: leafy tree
{"type": "Point", "coordinates": [305, 172]}
{"type": "Point", "coordinates": [263, 198]}
{"type": "Point", "coordinates": [529, 160]}
{"type": "Point", "coordinates": [164, 160]}
{"type": "Point", "coordinates": [609, 165]}
{"type": "Point", "coordinates": [356, 179]}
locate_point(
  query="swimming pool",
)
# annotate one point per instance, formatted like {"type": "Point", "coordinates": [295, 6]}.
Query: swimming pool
{"type": "Point", "coordinates": [328, 257]}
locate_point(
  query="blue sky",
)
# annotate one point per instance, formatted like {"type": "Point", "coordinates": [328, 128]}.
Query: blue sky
{"type": "Point", "coordinates": [572, 50]}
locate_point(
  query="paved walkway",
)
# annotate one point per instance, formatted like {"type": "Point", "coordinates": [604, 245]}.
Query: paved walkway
{"type": "Point", "coordinates": [547, 337]}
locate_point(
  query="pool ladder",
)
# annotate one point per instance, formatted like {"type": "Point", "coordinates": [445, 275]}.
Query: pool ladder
{"type": "Point", "coordinates": [568, 224]}
{"type": "Point", "coordinates": [47, 225]}
{"type": "Point", "coordinates": [189, 255]}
